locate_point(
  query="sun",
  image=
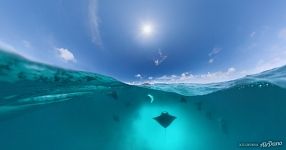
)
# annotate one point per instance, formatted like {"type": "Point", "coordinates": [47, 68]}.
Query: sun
{"type": "Point", "coordinates": [147, 29]}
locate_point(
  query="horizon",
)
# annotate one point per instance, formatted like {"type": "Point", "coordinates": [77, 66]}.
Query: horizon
{"type": "Point", "coordinates": [143, 74]}
{"type": "Point", "coordinates": [195, 78]}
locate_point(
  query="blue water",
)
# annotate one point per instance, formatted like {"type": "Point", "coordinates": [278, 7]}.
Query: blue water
{"type": "Point", "coordinates": [48, 108]}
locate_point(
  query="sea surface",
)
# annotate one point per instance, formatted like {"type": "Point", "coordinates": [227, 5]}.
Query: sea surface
{"type": "Point", "coordinates": [48, 108]}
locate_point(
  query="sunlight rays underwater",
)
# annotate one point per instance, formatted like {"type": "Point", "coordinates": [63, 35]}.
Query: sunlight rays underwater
{"type": "Point", "coordinates": [187, 130]}
{"type": "Point", "coordinates": [78, 110]}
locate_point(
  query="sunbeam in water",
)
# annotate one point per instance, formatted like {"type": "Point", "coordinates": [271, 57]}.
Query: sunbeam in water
{"type": "Point", "coordinates": [43, 106]}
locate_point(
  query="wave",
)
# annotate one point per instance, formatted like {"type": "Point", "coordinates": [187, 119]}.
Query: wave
{"type": "Point", "coordinates": [25, 83]}
{"type": "Point", "coordinates": [275, 76]}
{"type": "Point", "coordinates": [82, 110]}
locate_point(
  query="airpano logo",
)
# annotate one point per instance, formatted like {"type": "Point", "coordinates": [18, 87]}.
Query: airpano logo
{"type": "Point", "coordinates": [271, 144]}
{"type": "Point", "coordinates": [264, 144]}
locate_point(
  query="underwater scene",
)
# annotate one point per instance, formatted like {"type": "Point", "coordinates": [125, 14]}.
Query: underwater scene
{"type": "Point", "coordinates": [45, 108]}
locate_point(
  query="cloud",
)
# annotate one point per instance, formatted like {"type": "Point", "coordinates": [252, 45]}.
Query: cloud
{"type": "Point", "coordinates": [215, 51]}
{"type": "Point", "coordinates": [231, 70]}
{"type": "Point", "coordinates": [66, 55]}
{"type": "Point", "coordinates": [139, 76]}
{"type": "Point", "coordinates": [212, 54]}
{"type": "Point", "coordinates": [210, 77]}
{"type": "Point", "coordinates": [161, 58]}
{"type": "Point", "coordinates": [94, 22]}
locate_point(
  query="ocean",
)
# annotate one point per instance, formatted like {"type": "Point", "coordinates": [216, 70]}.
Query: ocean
{"type": "Point", "coordinates": [48, 108]}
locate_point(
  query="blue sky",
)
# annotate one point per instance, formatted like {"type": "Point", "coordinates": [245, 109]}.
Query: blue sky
{"type": "Point", "coordinates": [191, 40]}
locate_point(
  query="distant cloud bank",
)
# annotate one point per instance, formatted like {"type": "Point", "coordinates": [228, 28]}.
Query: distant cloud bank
{"type": "Point", "coordinates": [209, 77]}
{"type": "Point", "coordinates": [187, 77]}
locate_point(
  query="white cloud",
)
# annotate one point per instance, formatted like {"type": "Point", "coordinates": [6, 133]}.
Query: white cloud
{"type": "Point", "coordinates": [150, 78]}
{"type": "Point", "coordinates": [66, 55]}
{"type": "Point", "coordinates": [231, 70]}
{"type": "Point", "coordinates": [94, 22]}
{"type": "Point", "coordinates": [139, 76]}
{"type": "Point", "coordinates": [215, 51]}
{"type": "Point", "coordinates": [156, 62]}
{"type": "Point", "coordinates": [161, 58]}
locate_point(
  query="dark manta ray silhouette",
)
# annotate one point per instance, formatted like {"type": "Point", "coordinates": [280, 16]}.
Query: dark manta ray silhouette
{"type": "Point", "coordinates": [113, 94]}
{"type": "Point", "coordinates": [199, 105]}
{"type": "Point", "coordinates": [116, 118]}
{"type": "Point", "coordinates": [183, 100]}
{"type": "Point", "coordinates": [165, 119]}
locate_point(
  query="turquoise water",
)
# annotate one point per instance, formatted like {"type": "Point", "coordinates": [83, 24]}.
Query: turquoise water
{"type": "Point", "coordinates": [48, 108]}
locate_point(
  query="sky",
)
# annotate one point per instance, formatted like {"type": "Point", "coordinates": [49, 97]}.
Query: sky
{"type": "Point", "coordinates": [195, 41]}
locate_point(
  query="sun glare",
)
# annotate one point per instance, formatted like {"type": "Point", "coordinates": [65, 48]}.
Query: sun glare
{"type": "Point", "coordinates": [147, 29]}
